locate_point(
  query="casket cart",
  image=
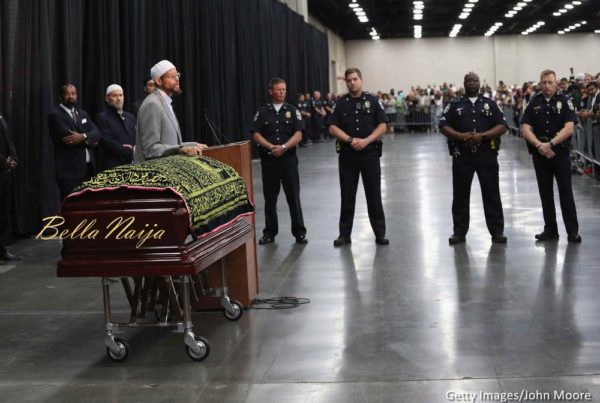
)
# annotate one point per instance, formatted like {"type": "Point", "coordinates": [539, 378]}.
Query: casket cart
{"type": "Point", "coordinates": [149, 238]}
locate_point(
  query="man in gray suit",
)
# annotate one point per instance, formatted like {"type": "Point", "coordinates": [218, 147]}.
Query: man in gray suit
{"type": "Point", "coordinates": [158, 133]}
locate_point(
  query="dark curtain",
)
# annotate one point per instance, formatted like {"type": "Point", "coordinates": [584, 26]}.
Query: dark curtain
{"type": "Point", "coordinates": [226, 50]}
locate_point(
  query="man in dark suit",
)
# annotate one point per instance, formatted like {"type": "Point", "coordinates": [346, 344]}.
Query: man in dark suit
{"type": "Point", "coordinates": [118, 130]}
{"type": "Point", "coordinates": [149, 87]}
{"type": "Point", "coordinates": [74, 136]}
{"type": "Point", "coordinates": [8, 162]}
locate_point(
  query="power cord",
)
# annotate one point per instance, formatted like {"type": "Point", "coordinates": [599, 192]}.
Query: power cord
{"type": "Point", "coordinates": [279, 303]}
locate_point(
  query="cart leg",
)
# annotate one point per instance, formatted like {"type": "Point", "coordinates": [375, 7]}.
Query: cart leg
{"type": "Point", "coordinates": [197, 348]}
{"type": "Point", "coordinates": [232, 309]}
{"type": "Point", "coordinates": [117, 349]}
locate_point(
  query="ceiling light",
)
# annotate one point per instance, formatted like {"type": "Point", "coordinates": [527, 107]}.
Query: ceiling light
{"type": "Point", "coordinates": [353, 5]}
{"type": "Point", "coordinates": [473, 1]}
{"type": "Point", "coordinates": [376, 37]}
{"type": "Point", "coordinates": [466, 10]}
{"type": "Point", "coordinates": [578, 25]}
{"type": "Point", "coordinates": [569, 6]}
{"type": "Point", "coordinates": [418, 17]}
{"type": "Point", "coordinates": [562, 10]}
{"type": "Point", "coordinates": [576, 3]}
{"type": "Point", "coordinates": [597, 31]}
{"type": "Point", "coordinates": [469, 5]}
{"type": "Point", "coordinates": [517, 8]}
{"type": "Point", "coordinates": [418, 11]}
{"type": "Point", "coordinates": [417, 2]}
{"type": "Point", "coordinates": [521, 4]}
{"type": "Point", "coordinates": [507, 15]}
{"type": "Point", "coordinates": [361, 13]}
{"type": "Point", "coordinates": [583, 22]}
{"type": "Point", "coordinates": [561, 32]}
{"type": "Point", "coordinates": [419, 6]}
{"type": "Point", "coordinates": [556, 14]}
{"type": "Point", "coordinates": [463, 16]}
{"type": "Point", "coordinates": [358, 9]}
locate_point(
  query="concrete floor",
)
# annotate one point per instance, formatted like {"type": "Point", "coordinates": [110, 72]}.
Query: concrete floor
{"type": "Point", "coordinates": [416, 321]}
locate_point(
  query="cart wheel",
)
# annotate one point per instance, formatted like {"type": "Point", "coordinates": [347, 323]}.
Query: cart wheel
{"type": "Point", "coordinates": [238, 311]}
{"type": "Point", "coordinates": [204, 349]}
{"type": "Point", "coordinates": [122, 354]}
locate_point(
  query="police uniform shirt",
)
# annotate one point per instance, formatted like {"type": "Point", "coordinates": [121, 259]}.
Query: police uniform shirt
{"type": "Point", "coordinates": [277, 127]}
{"type": "Point", "coordinates": [465, 116]}
{"type": "Point", "coordinates": [358, 117]}
{"type": "Point", "coordinates": [548, 117]}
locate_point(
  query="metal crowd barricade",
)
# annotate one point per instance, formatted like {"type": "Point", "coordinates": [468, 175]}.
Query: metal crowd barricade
{"type": "Point", "coordinates": [586, 142]}
{"type": "Point", "coordinates": [414, 119]}
{"type": "Point", "coordinates": [509, 114]}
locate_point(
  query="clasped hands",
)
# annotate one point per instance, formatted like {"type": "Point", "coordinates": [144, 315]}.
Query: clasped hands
{"type": "Point", "coordinates": [73, 138]}
{"type": "Point", "coordinates": [545, 149]}
{"type": "Point", "coordinates": [471, 139]}
{"type": "Point", "coordinates": [359, 144]}
{"type": "Point", "coordinates": [9, 165]}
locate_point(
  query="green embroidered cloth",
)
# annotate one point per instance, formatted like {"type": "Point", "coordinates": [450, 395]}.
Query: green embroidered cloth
{"type": "Point", "coordinates": [213, 191]}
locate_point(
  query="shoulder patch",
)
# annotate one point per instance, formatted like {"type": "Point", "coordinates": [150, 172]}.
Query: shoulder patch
{"type": "Point", "coordinates": [447, 108]}
{"type": "Point", "coordinates": [298, 115]}
{"type": "Point", "coordinates": [570, 103]}
{"type": "Point", "coordinates": [256, 116]}
{"type": "Point", "coordinates": [381, 104]}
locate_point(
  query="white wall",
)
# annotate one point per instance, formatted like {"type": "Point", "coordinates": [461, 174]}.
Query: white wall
{"type": "Point", "coordinates": [402, 63]}
{"type": "Point", "coordinates": [337, 56]}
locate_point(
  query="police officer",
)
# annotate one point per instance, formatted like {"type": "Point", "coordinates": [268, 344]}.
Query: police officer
{"type": "Point", "coordinates": [318, 115]}
{"type": "Point", "coordinates": [304, 109]}
{"type": "Point", "coordinates": [358, 122]}
{"type": "Point", "coordinates": [473, 125]}
{"type": "Point", "coordinates": [277, 131]}
{"type": "Point", "coordinates": [548, 123]}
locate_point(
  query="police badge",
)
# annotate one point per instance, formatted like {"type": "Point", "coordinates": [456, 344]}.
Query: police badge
{"type": "Point", "coordinates": [559, 106]}
{"type": "Point", "coordinates": [367, 104]}
{"type": "Point", "coordinates": [486, 108]}
{"type": "Point", "coordinates": [288, 114]}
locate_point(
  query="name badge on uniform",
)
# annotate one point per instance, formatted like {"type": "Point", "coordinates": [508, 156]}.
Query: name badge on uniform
{"type": "Point", "coordinates": [459, 111]}
{"type": "Point", "coordinates": [288, 114]}
{"type": "Point", "coordinates": [358, 105]}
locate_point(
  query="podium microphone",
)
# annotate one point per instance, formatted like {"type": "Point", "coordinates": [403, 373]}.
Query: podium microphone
{"type": "Point", "coordinates": [213, 128]}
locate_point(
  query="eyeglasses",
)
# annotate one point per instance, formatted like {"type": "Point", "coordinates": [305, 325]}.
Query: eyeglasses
{"type": "Point", "coordinates": [175, 76]}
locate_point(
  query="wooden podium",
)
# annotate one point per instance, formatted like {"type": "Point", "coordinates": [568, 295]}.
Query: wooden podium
{"type": "Point", "coordinates": [241, 266]}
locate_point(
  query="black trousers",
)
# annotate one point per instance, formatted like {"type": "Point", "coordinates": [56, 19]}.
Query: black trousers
{"type": "Point", "coordinates": [546, 170]}
{"type": "Point", "coordinates": [65, 187]}
{"type": "Point", "coordinates": [277, 172]}
{"type": "Point", "coordinates": [366, 165]}
{"type": "Point", "coordinates": [317, 126]}
{"type": "Point", "coordinates": [5, 227]}
{"type": "Point", "coordinates": [484, 162]}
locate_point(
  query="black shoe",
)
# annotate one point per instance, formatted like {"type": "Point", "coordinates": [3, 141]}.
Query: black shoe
{"type": "Point", "coordinates": [10, 257]}
{"type": "Point", "coordinates": [342, 240]}
{"type": "Point", "coordinates": [546, 236]}
{"type": "Point", "coordinates": [456, 239]}
{"type": "Point", "coordinates": [500, 238]}
{"type": "Point", "coordinates": [576, 238]}
{"type": "Point", "coordinates": [266, 239]}
{"type": "Point", "coordinates": [382, 241]}
{"type": "Point", "coordinates": [301, 239]}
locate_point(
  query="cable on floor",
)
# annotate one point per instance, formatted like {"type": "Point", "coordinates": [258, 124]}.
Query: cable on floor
{"type": "Point", "coordinates": [279, 303]}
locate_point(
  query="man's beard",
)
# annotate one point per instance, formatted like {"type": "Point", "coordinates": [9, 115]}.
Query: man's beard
{"type": "Point", "coordinates": [69, 103]}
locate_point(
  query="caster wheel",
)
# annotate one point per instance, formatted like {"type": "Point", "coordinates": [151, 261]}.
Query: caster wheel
{"type": "Point", "coordinates": [238, 311]}
{"type": "Point", "coordinates": [123, 353]}
{"type": "Point", "coordinates": [204, 349]}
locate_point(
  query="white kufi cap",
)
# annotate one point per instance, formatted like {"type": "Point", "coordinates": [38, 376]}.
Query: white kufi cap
{"type": "Point", "coordinates": [112, 88]}
{"type": "Point", "coordinates": [161, 68]}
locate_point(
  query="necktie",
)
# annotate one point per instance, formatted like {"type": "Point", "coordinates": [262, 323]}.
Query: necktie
{"type": "Point", "coordinates": [73, 115]}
